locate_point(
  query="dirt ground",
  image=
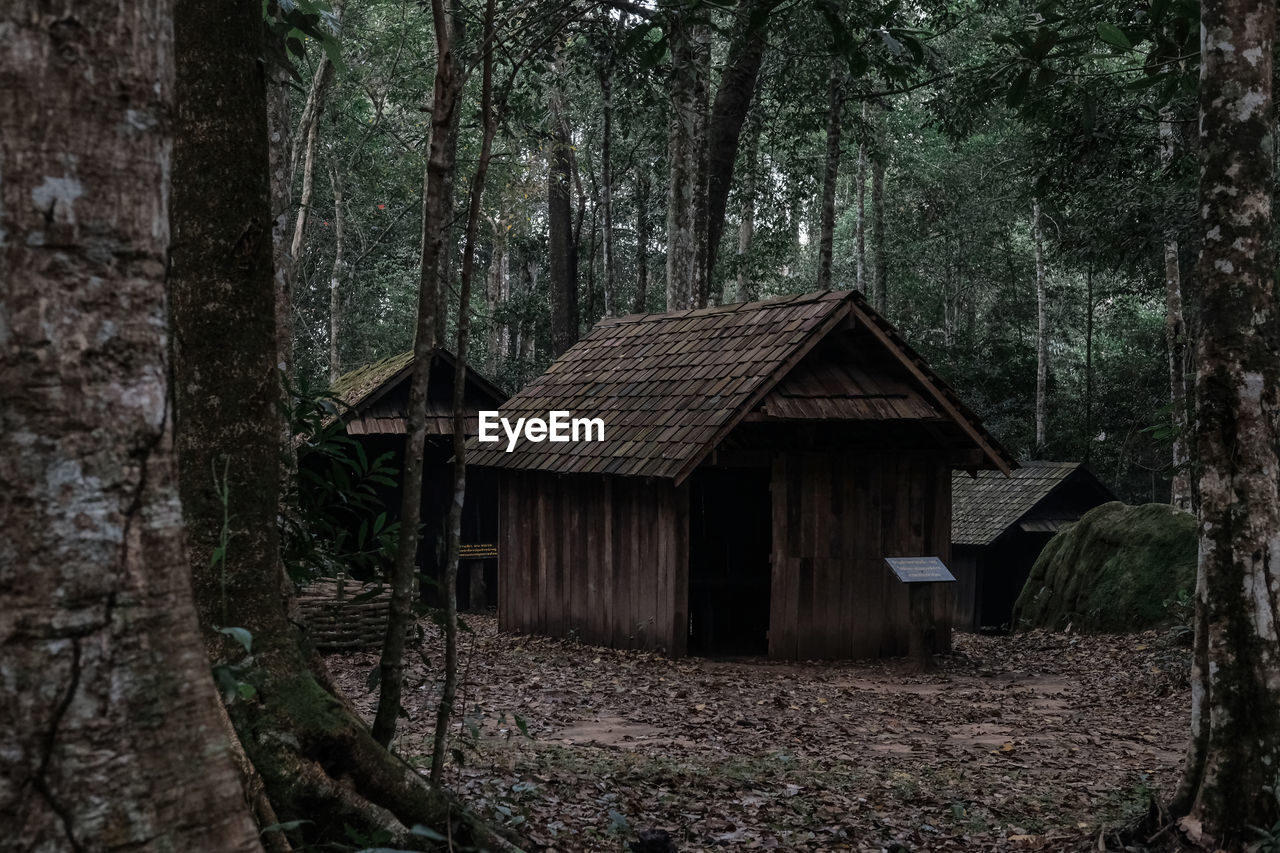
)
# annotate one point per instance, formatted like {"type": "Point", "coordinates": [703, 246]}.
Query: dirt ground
{"type": "Point", "coordinates": [1031, 742]}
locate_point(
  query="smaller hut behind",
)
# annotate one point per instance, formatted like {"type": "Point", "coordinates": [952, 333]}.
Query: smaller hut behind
{"type": "Point", "coordinates": [377, 397]}
{"type": "Point", "coordinates": [999, 525]}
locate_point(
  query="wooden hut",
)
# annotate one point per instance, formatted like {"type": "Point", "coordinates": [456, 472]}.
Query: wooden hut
{"type": "Point", "coordinates": [999, 525]}
{"type": "Point", "coordinates": [377, 396]}
{"type": "Point", "coordinates": [760, 461]}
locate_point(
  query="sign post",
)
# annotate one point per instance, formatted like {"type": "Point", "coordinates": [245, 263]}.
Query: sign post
{"type": "Point", "coordinates": [921, 574]}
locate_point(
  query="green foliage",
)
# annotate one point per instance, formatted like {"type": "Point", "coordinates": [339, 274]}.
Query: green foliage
{"type": "Point", "coordinates": [342, 523]}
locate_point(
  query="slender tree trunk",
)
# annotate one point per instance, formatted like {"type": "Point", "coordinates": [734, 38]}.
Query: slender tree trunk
{"type": "Point", "coordinates": [1088, 364]}
{"type": "Point", "coordinates": [562, 249]}
{"type": "Point", "coordinates": [335, 277]}
{"type": "Point", "coordinates": [747, 215]}
{"type": "Point", "coordinates": [1175, 335]}
{"type": "Point", "coordinates": [309, 133]}
{"type": "Point", "coordinates": [106, 689]}
{"type": "Point", "coordinates": [280, 128]}
{"type": "Point", "coordinates": [879, 254]}
{"type": "Point", "coordinates": [1235, 715]}
{"type": "Point", "coordinates": [831, 173]}
{"type": "Point", "coordinates": [606, 185]}
{"type": "Point", "coordinates": [449, 691]}
{"type": "Point", "coordinates": [496, 293]}
{"type": "Point", "coordinates": [1176, 340]}
{"type": "Point", "coordinates": [640, 300]}
{"type": "Point", "coordinates": [438, 181]}
{"type": "Point", "coordinates": [1042, 328]}
{"type": "Point", "coordinates": [860, 239]}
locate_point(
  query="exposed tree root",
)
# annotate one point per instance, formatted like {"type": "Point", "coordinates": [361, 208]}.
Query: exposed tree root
{"type": "Point", "coordinates": [319, 763]}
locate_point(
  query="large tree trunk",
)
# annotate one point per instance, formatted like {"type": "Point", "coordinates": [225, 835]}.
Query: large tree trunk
{"type": "Point", "coordinates": [437, 207]}
{"type": "Point", "coordinates": [1235, 714]}
{"type": "Point", "coordinates": [315, 758]}
{"type": "Point", "coordinates": [562, 248]}
{"type": "Point", "coordinates": [729, 112]}
{"type": "Point", "coordinates": [830, 174]}
{"type": "Point", "coordinates": [1042, 328]}
{"type": "Point", "coordinates": [687, 161]}
{"type": "Point", "coordinates": [106, 692]}
{"type": "Point", "coordinates": [879, 254]}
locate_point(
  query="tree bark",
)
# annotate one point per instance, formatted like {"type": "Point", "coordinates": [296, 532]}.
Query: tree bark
{"type": "Point", "coordinates": [880, 284]}
{"type": "Point", "coordinates": [489, 120]}
{"type": "Point", "coordinates": [861, 237]}
{"type": "Point", "coordinates": [441, 165]}
{"type": "Point", "coordinates": [1176, 340]}
{"type": "Point", "coordinates": [497, 293]}
{"type": "Point", "coordinates": [640, 300]}
{"type": "Point", "coordinates": [733, 100]}
{"type": "Point", "coordinates": [339, 267]}
{"type": "Point", "coordinates": [106, 692]}
{"type": "Point", "coordinates": [309, 133]}
{"type": "Point", "coordinates": [687, 159]}
{"type": "Point", "coordinates": [1042, 328]}
{"type": "Point", "coordinates": [1235, 715]}
{"type": "Point", "coordinates": [830, 174]}
{"type": "Point", "coordinates": [605, 73]}
{"type": "Point", "coordinates": [562, 248]}
{"type": "Point", "coordinates": [315, 758]}
{"type": "Point", "coordinates": [747, 215]}
{"type": "Point", "coordinates": [280, 128]}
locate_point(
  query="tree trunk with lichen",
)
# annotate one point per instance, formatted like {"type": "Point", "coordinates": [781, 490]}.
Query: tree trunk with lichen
{"type": "Point", "coordinates": [1234, 753]}
{"type": "Point", "coordinates": [317, 762]}
{"type": "Point", "coordinates": [687, 188]}
{"type": "Point", "coordinates": [105, 691]}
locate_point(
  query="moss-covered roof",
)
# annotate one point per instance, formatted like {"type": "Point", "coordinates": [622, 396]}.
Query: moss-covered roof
{"type": "Point", "coordinates": [351, 388]}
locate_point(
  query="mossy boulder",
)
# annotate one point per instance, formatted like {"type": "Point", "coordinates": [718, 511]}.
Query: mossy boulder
{"type": "Point", "coordinates": [1119, 568]}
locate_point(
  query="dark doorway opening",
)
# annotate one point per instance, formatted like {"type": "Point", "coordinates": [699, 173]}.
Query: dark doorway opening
{"type": "Point", "coordinates": [730, 537]}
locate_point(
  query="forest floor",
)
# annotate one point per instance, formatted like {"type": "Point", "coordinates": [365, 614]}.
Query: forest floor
{"type": "Point", "coordinates": [1031, 742]}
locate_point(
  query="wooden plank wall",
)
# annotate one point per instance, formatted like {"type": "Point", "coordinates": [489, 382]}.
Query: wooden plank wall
{"type": "Point", "coordinates": [602, 559]}
{"type": "Point", "coordinates": [835, 517]}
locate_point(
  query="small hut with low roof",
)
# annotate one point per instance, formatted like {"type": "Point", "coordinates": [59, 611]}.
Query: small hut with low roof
{"type": "Point", "coordinates": [999, 526]}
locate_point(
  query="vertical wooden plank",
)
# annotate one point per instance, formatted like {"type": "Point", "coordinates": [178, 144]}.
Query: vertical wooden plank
{"type": "Point", "coordinates": [679, 625]}
{"type": "Point", "coordinates": [545, 538]}
{"type": "Point", "coordinates": [582, 506]}
{"type": "Point", "coordinates": [604, 560]}
{"type": "Point", "coordinates": [782, 638]}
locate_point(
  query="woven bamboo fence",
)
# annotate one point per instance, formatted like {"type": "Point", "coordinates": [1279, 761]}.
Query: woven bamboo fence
{"type": "Point", "coordinates": [343, 614]}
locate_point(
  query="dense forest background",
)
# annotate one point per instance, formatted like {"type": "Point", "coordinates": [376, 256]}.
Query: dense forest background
{"type": "Point", "coordinates": [989, 159]}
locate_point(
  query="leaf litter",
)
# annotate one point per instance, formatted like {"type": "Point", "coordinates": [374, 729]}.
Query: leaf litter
{"type": "Point", "coordinates": [1036, 741]}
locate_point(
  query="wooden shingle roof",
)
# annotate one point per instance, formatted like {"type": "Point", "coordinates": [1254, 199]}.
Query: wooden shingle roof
{"type": "Point", "coordinates": [669, 387]}
{"type": "Point", "coordinates": [376, 394]}
{"type": "Point", "coordinates": [985, 506]}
